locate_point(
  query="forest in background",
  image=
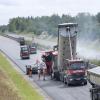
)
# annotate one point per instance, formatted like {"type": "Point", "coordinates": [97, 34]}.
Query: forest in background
{"type": "Point", "coordinates": [88, 25]}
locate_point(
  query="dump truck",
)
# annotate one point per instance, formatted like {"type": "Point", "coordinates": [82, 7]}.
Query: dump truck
{"type": "Point", "coordinates": [21, 40]}
{"type": "Point", "coordinates": [24, 52]}
{"type": "Point", "coordinates": [33, 48]}
{"type": "Point", "coordinates": [93, 76]}
{"type": "Point", "coordinates": [66, 66]}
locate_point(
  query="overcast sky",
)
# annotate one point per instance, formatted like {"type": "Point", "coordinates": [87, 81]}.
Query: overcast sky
{"type": "Point", "coordinates": [15, 8]}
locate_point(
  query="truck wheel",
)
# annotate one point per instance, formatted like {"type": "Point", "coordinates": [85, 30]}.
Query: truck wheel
{"type": "Point", "coordinates": [57, 77]}
{"type": "Point", "coordinates": [28, 58]}
{"type": "Point", "coordinates": [85, 83]}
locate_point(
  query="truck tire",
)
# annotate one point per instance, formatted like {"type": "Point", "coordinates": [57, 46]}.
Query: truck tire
{"type": "Point", "coordinates": [57, 76]}
{"type": "Point", "coordinates": [85, 83]}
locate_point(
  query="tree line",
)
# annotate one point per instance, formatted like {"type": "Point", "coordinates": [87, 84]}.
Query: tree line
{"type": "Point", "coordinates": [88, 25]}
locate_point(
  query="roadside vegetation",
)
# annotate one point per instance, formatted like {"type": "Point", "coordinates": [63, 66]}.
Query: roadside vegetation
{"type": "Point", "coordinates": [96, 62]}
{"type": "Point", "coordinates": [89, 25]}
{"type": "Point", "coordinates": [13, 86]}
{"type": "Point", "coordinates": [7, 89]}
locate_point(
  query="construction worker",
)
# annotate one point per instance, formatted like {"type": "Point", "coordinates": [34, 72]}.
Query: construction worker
{"type": "Point", "coordinates": [43, 68]}
{"type": "Point", "coordinates": [30, 72]}
{"type": "Point", "coordinates": [48, 60]}
{"type": "Point", "coordinates": [39, 68]}
{"type": "Point", "coordinates": [39, 72]}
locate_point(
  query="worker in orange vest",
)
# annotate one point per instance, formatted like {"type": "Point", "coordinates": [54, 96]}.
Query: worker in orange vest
{"type": "Point", "coordinates": [30, 72]}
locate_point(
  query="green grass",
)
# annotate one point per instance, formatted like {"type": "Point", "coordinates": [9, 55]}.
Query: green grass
{"type": "Point", "coordinates": [25, 90]}
{"type": "Point", "coordinates": [95, 61]}
{"type": "Point", "coordinates": [7, 88]}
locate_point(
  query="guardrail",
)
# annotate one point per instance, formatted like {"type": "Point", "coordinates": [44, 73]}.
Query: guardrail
{"type": "Point", "coordinates": [11, 37]}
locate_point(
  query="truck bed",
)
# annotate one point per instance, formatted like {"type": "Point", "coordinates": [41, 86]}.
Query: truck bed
{"type": "Point", "coordinates": [93, 75]}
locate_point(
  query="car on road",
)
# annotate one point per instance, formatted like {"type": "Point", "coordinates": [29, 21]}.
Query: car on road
{"type": "Point", "coordinates": [24, 52]}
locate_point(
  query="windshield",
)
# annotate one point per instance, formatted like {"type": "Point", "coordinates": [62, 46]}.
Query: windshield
{"type": "Point", "coordinates": [33, 44]}
{"type": "Point", "coordinates": [77, 65]}
{"type": "Point", "coordinates": [21, 39]}
{"type": "Point", "coordinates": [24, 49]}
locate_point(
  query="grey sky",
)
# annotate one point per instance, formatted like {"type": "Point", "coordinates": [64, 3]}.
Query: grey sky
{"type": "Point", "coordinates": [15, 8]}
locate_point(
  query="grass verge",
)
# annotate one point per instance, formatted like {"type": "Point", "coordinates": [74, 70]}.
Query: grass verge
{"type": "Point", "coordinates": [7, 90]}
{"type": "Point", "coordinates": [95, 61]}
{"type": "Point", "coordinates": [19, 87]}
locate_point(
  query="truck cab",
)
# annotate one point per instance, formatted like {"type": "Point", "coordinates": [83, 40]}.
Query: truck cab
{"type": "Point", "coordinates": [74, 72]}
{"type": "Point", "coordinates": [33, 48]}
{"type": "Point", "coordinates": [24, 52]}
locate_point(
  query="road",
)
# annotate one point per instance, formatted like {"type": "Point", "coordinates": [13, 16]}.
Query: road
{"type": "Point", "coordinates": [55, 89]}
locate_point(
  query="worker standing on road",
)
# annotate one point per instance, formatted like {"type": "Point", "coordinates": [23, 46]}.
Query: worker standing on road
{"type": "Point", "coordinates": [43, 66]}
{"type": "Point", "coordinates": [39, 72]}
{"type": "Point", "coordinates": [48, 60]}
{"type": "Point", "coordinates": [30, 72]}
{"type": "Point", "coordinates": [39, 68]}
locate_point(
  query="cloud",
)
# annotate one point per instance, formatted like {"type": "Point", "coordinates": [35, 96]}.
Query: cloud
{"type": "Point", "coordinates": [8, 2]}
{"type": "Point", "coordinates": [14, 8]}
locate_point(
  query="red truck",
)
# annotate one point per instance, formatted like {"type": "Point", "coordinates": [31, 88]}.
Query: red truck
{"type": "Point", "coordinates": [64, 63]}
{"type": "Point", "coordinates": [24, 52]}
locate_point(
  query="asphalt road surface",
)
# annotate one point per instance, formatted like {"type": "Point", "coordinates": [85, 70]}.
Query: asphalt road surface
{"type": "Point", "coordinates": [55, 89]}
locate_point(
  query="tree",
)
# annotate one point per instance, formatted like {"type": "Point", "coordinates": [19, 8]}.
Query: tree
{"type": "Point", "coordinates": [98, 17]}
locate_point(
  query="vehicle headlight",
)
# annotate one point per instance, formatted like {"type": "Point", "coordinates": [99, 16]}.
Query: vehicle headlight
{"type": "Point", "coordinates": [70, 79]}
{"type": "Point", "coordinates": [85, 78]}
